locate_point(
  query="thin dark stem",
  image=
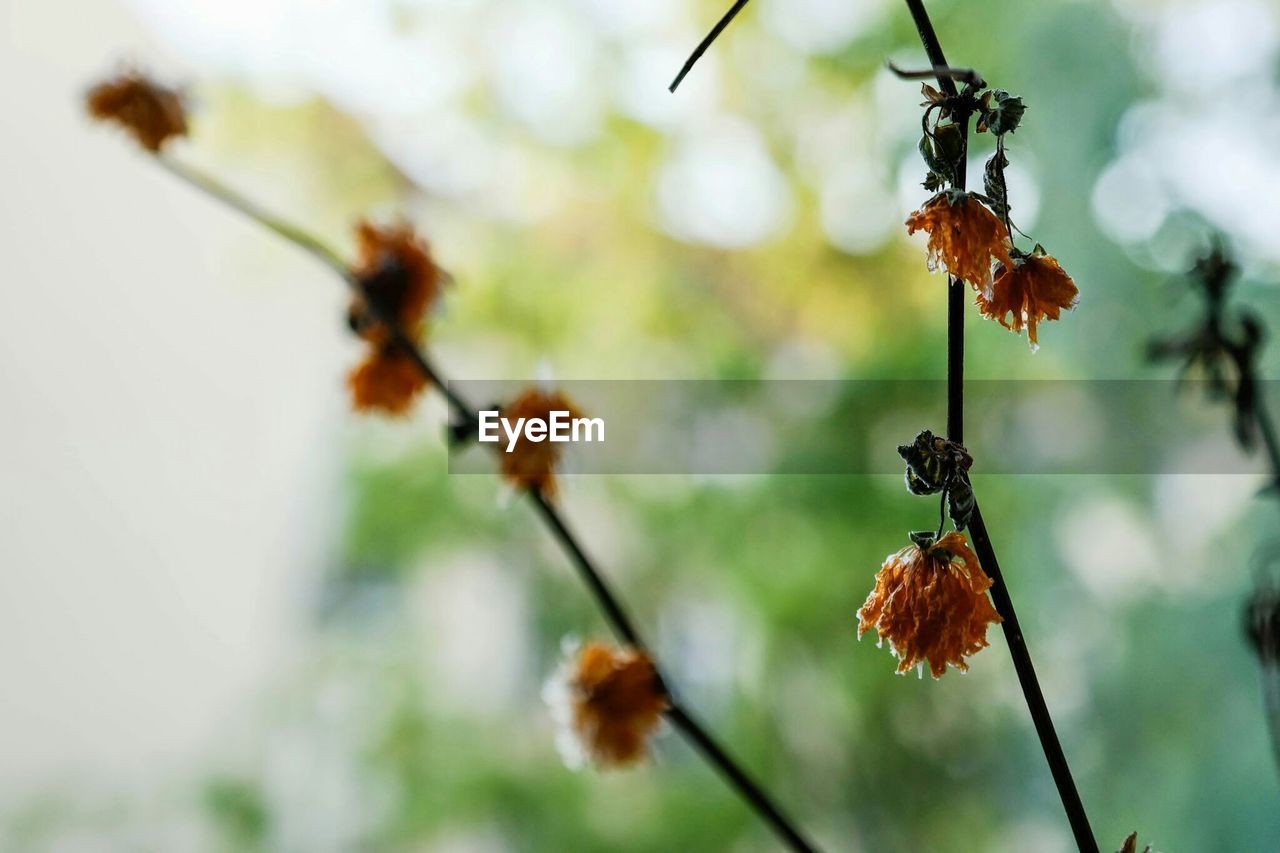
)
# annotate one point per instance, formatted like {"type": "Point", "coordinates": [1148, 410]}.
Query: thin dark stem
{"type": "Point", "coordinates": [937, 72]}
{"type": "Point", "coordinates": [617, 615]}
{"type": "Point", "coordinates": [676, 714]}
{"type": "Point", "coordinates": [712, 752]}
{"type": "Point", "coordinates": [1040, 716]}
{"type": "Point", "coordinates": [1000, 597]}
{"type": "Point", "coordinates": [208, 184]}
{"type": "Point", "coordinates": [614, 611]}
{"type": "Point", "coordinates": [955, 287]}
{"type": "Point", "coordinates": [706, 43]}
{"type": "Point", "coordinates": [932, 48]}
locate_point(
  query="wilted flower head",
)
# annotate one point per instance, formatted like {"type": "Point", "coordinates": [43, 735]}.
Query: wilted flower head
{"type": "Point", "coordinates": [1031, 289]}
{"type": "Point", "coordinates": [387, 380]}
{"type": "Point", "coordinates": [149, 111]}
{"type": "Point", "coordinates": [607, 703]}
{"type": "Point", "coordinates": [397, 275]}
{"type": "Point", "coordinates": [530, 464]}
{"type": "Point", "coordinates": [964, 236]}
{"type": "Point", "coordinates": [930, 602]}
{"type": "Point", "coordinates": [1222, 348]}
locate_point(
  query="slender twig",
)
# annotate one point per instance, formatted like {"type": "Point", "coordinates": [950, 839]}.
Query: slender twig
{"type": "Point", "coordinates": [208, 184]}
{"type": "Point", "coordinates": [1026, 671]}
{"type": "Point", "coordinates": [963, 75]}
{"type": "Point", "coordinates": [706, 42]}
{"type": "Point", "coordinates": [1000, 597]}
{"type": "Point", "coordinates": [692, 730]}
{"type": "Point", "coordinates": [608, 602]}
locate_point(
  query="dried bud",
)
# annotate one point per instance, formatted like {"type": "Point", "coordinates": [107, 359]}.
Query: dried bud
{"type": "Point", "coordinates": [529, 464]}
{"type": "Point", "coordinates": [1000, 112]}
{"type": "Point", "coordinates": [607, 703]}
{"type": "Point", "coordinates": [387, 381]}
{"type": "Point", "coordinates": [150, 112]}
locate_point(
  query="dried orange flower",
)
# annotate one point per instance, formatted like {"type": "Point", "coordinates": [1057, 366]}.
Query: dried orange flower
{"type": "Point", "coordinates": [964, 236]}
{"type": "Point", "coordinates": [387, 381]}
{"type": "Point", "coordinates": [149, 111]}
{"type": "Point", "coordinates": [607, 703]}
{"type": "Point", "coordinates": [1032, 289]}
{"type": "Point", "coordinates": [530, 464]}
{"type": "Point", "coordinates": [397, 274]}
{"type": "Point", "coordinates": [930, 602]}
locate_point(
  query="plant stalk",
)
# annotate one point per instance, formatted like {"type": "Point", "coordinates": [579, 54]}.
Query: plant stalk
{"type": "Point", "coordinates": [612, 607]}
{"type": "Point", "coordinates": [1000, 597]}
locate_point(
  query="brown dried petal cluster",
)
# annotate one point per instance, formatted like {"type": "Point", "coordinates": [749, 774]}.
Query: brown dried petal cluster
{"type": "Point", "coordinates": [398, 277]}
{"type": "Point", "coordinates": [931, 606]}
{"type": "Point", "coordinates": [616, 702]}
{"type": "Point", "coordinates": [1032, 289]}
{"type": "Point", "coordinates": [387, 380]}
{"type": "Point", "coordinates": [397, 274]}
{"type": "Point", "coordinates": [530, 464]}
{"type": "Point", "coordinates": [152, 113]}
{"type": "Point", "coordinates": [964, 237]}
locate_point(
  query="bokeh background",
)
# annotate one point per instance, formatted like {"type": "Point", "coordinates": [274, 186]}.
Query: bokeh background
{"type": "Point", "coordinates": [234, 616]}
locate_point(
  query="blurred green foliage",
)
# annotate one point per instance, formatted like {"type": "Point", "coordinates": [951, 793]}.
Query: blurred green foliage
{"type": "Point", "coordinates": [749, 585]}
{"type": "Point", "coordinates": [1156, 697]}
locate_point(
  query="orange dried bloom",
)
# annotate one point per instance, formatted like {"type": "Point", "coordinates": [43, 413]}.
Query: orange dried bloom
{"type": "Point", "coordinates": [1031, 289]}
{"type": "Point", "coordinates": [964, 236]}
{"type": "Point", "coordinates": [931, 605]}
{"type": "Point", "coordinates": [152, 113]}
{"type": "Point", "coordinates": [387, 381]}
{"type": "Point", "coordinates": [607, 702]}
{"type": "Point", "coordinates": [397, 274]}
{"type": "Point", "coordinates": [530, 464]}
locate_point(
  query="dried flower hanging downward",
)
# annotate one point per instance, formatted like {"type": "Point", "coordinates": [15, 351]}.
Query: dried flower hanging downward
{"type": "Point", "coordinates": [971, 231]}
{"type": "Point", "coordinates": [1034, 288]}
{"type": "Point", "coordinates": [1222, 348]}
{"type": "Point", "coordinates": [964, 237]}
{"type": "Point", "coordinates": [930, 602]}
{"type": "Point", "coordinates": [532, 464]}
{"type": "Point", "coordinates": [387, 380]}
{"type": "Point", "coordinates": [152, 113]}
{"type": "Point", "coordinates": [607, 703]}
{"type": "Point", "coordinates": [398, 278]}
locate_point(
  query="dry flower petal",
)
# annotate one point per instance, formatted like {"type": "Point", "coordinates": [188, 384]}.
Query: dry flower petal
{"type": "Point", "coordinates": [396, 273]}
{"type": "Point", "coordinates": [1032, 289]}
{"type": "Point", "coordinates": [964, 237]}
{"type": "Point", "coordinates": [386, 381]}
{"type": "Point", "coordinates": [931, 606]}
{"type": "Point", "coordinates": [152, 113]}
{"type": "Point", "coordinates": [529, 464]}
{"type": "Point", "coordinates": [607, 702]}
